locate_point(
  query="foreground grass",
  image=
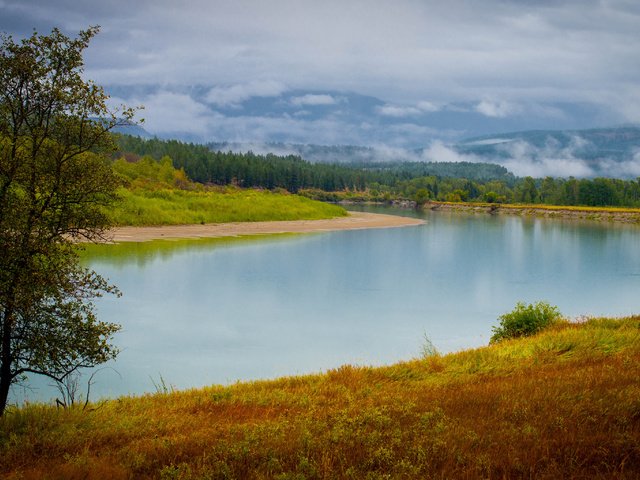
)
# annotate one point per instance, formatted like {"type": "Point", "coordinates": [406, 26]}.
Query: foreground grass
{"type": "Point", "coordinates": [562, 404]}
{"type": "Point", "coordinates": [171, 206]}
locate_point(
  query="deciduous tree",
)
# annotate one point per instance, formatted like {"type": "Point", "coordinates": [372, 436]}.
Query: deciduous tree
{"type": "Point", "coordinates": [55, 179]}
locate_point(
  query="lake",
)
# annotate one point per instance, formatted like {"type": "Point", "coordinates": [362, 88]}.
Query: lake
{"type": "Point", "coordinates": [201, 312]}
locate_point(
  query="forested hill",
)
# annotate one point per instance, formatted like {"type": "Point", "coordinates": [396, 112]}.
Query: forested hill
{"type": "Point", "coordinates": [593, 144]}
{"type": "Point", "coordinates": [293, 172]}
{"type": "Point", "coordinates": [475, 182]}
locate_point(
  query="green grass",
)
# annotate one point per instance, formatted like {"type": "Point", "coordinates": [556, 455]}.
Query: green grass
{"type": "Point", "coordinates": [564, 403]}
{"type": "Point", "coordinates": [172, 206]}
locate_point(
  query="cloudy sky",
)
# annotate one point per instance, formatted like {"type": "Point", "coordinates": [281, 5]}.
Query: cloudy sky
{"type": "Point", "coordinates": [401, 73]}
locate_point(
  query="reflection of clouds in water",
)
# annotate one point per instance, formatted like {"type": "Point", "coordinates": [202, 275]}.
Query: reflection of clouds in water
{"type": "Point", "coordinates": [308, 303]}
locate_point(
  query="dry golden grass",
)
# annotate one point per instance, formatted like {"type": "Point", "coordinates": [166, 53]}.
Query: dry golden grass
{"type": "Point", "coordinates": [539, 206]}
{"type": "Point", "coordinates": [562, 404]}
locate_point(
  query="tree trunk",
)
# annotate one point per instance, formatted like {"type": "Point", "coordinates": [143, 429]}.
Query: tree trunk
{"type": "Point", "coordinates": [5, 363]}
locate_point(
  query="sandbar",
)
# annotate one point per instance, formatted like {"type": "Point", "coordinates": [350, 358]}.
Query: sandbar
{"type": "Point", "coordinates": [354, 221]}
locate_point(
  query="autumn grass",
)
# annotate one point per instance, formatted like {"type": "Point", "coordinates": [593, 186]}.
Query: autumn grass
{"type": "Point", "coordinates": [172, 206]}
{"type": "Point", "coordinates": [562, 404]}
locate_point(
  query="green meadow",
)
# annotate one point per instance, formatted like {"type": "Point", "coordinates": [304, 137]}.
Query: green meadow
{"type": "Point", "coordinates": [156, 193]}
{"type": "Point", "coordinates": [178, 207]}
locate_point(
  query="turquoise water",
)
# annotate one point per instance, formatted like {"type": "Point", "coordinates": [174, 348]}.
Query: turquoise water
{"type": "Point", "coordinates": [204, 312]}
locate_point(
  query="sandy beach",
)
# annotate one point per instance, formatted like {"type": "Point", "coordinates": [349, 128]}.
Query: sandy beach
{"type": "Point", "coordinates": [354, 221]}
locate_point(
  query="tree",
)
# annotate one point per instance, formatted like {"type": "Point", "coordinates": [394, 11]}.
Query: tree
{"type": "Point", "coordinates": [421, 197]}
{"type": "Point", "coordinates": [55, 179]}
{"type": "Point", "coordinates": [528, 193]}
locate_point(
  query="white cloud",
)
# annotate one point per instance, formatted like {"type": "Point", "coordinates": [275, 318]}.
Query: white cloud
{"type": "Point", "coordinates": [524, 159]}
{"type": "Point", "coordinates": [236, 94]}
{"type": "Point", "coordinates": [554, 167]}
{"type": "Point", "coordinates": [498, 109]}
{"type": "Point", "coordinates": [399, 111]}
{"type": "Point", "coordinates": [537, 51]}
{"type": "Point", "coordinates": [428, 106]}
{"type": "Point", "coordinates": [629, 168]}
{"type": "Point", "coordinates": [313, 100]}
{"type": "Point", "coordinates": [168, 112]}
{"type": "Point", "coordinates": [490, 141]}
{"type": "Point", "coordinates": [511, 53]}
{"type": "Point", "coordinates": [439, 152]}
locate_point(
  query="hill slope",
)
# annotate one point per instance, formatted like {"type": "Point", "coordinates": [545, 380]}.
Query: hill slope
{"type": "Point", "coordinates": [564, 403]}
{"type": "Point", "coordinates": [608, 152]}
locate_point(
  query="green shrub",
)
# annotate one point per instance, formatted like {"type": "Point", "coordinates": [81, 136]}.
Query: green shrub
{"type": "Point", "coordinates": [525, 320]}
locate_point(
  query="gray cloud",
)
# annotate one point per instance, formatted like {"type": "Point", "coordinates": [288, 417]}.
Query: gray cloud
{"type": "Point", "coordinates": [507, 58]}
{"type": "Point", "coordinates": [552, 159]}
{"type": "Point", "coordinates": [498, 109]}
{"type": "Point", "coordinates": [312, 99]}
{"type": "Point", "coordinates": [236, 94]}
{"type": "Point", "coordinates": [399, 111]}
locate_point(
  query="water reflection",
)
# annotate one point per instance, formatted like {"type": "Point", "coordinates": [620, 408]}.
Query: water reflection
{"type": "Point", "coordinates": [214, 311]}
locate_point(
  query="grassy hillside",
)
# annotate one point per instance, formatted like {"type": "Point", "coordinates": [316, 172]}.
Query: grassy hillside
{"type": "Point", "coordinates": [564, 403]}
{"type": "Point", "coordinates": [155, 193]}
{"type": "Point", "coordinates": [175, 207]}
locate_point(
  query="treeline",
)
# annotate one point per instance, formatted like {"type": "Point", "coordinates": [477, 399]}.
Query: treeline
{"type": "Point", "coordinates": [293, 173]}
{"type": "Point", "coordinates": [248, 169]}
{"type": "Point", "coordinates": [461, 182]}
{"type": "Point", "coordinates": [483, 172]}
{"type": "Point", "coordinates": [548, 191]}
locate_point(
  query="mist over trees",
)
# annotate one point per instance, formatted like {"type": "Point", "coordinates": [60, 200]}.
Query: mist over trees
{"type": "Point", "coordinates": [442, 181]}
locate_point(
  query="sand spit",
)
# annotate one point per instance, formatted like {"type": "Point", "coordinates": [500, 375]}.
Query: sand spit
{"type": "Point", "coordinates": [354, 221]}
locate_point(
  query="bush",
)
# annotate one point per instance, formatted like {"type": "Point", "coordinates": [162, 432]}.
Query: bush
{"type": "Point", "coordinates": [525, 320]}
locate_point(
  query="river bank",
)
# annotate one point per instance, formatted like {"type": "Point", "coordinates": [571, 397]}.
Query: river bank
{"type": "Point", "coordinates": [598, 214]}
{"type": "Point", "coordinates": [560, 404]}
{"type": "Point", "coordinates": [354, 221]}
{"type": "Point", "coordinates": [601, 214]}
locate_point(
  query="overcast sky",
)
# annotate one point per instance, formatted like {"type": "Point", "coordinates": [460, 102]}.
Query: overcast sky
{"type": "Point", "coordinates": [197, 65]}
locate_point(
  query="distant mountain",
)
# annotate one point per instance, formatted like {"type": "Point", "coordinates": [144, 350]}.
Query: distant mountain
{"type": "Point", "coordinates": [608, 152]}
{"type": "Point", "coordinates": [615, 143]}
{"type": "Point", "coordinates": [264, 112]}
{"type": "Point", "coordinates": [132, 129]}
{"type": "Point", "coordinates": [319, 153]}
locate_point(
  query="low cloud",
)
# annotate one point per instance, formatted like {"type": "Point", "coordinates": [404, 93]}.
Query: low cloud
{"type": "Point", "coordinates": [548, 167]}
{"type": "Point", "coordinates": [498, 109]}
{"type": "Point", "coordinates": [260, 148]}
{"type": "Point", "coordinates": [169, 112]}
{"type": "Point", "coordinates": [439, 152]}
{"type": "Point", "coordinates": [525, 159]}
{"type": "Point", "coordinates": [236, 94]}
{"type": "Point", "coordinates": [314, 100]}
{"type": "Point", "coordinates": [626, 169]}
{"type": "Point", "coordinates": [399, 111]}
{"type": "Point", "coordinates": [428, 106]}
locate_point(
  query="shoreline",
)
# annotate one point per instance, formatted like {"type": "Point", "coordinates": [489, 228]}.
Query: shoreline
{"type": "Point", "coordinates": [598, 214]}
{"type": "Point", "coordinates": [354, 221]}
